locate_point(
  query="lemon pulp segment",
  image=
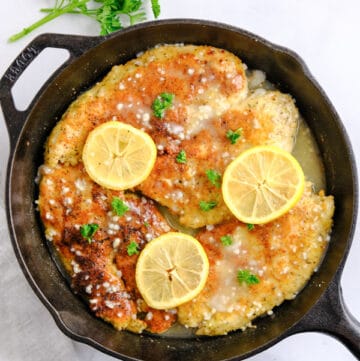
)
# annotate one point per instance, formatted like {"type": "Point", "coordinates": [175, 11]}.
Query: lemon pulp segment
{"type": "Point", "coordinates": [262, 184]}
{"type": "Point", "coordinates": [171, 270]}
{"type": "Point", "coordinates": [118, 156]}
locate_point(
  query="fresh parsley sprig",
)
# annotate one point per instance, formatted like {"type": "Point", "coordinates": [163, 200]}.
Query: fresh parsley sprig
{"type": "Point", "coordinates": [107, 14]}
{"type": "Point", "coordinates": [155, 6]}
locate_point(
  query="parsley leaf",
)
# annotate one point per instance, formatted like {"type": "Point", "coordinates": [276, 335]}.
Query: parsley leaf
{"type": "Point", "coordinates": [234, 136]}
{"type": "Point", "coordinates": [250, 226]}
{"type": "Point", "coordinates": [132, 248]}
{"type": "Point", "coordinates": [88, 230]}
{"type": "Point", "coordinates": [108, 19]}
{"type": "Point", "coordinates": [207, 206]}
{"type": "Point", "coordinates": [146, 224]}
{"type": "Point", "coordinates": [214, 177]}
{"type": "Point", "coordinates": [129, 6]}
{"type": "Point", "coordinates": [181, 157]}
{"type": "Point", "coordinates": [155, 6]}
{"type": "Point", "coordinates": [247, 277]}
{"type": "Point", "coordinates": [118, 206]}
{"type": "Point", "coordinates": [226, 240]}
{"type": "Point", "coordinates": [161, 103]}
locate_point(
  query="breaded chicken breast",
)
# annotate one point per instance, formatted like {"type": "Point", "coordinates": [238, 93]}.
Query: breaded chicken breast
{"type": "Point", "coordinates": [282, 255]}
{"type": "Point", "coordinates": [267, 117]}
{"type": "Point", "coordinates": [101, 267]}
{"type": "Point", "coordinates": [210, 100]}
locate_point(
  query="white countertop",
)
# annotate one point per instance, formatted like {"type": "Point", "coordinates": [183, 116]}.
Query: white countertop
{"type": "Point", "coordinates": [323, 32]}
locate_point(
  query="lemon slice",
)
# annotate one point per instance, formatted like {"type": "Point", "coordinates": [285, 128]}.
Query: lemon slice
{"type": "Point", "coordinates": [262, 184]}
{"type": "Point", "coordinates": [171, 270]}
{"type": "Point", "coordinates": [118, 156]}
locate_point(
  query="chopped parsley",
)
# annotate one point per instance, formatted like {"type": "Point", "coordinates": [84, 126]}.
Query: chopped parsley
{"type": "Point", "coordinates": [226, 240]}
{"type": "Point", "coordinates": [132, 248]}
{"type": "Point", "coordinates": [118, 206]}
{"type": "Point", "coordinates": [181, 157]}
{"type": "Point", "coordinates": [88, 230]}
{"type": "Point", "coordinates": [161, 103]}
{"type": "Point", "coordinates": [250, 226]}
{"type": "Point", "coordinates": [245, 276]}
{"type": "Point", "coordinates": [234, 136]}
{"type": "Point", "coordinates": [207, 206]}
{"type": "Point", "coordinates": [214, 177]}
{"type": "Point", "coordinates": [146, 224]}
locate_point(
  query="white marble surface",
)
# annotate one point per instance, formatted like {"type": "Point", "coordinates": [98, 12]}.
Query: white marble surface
{"type": "Point", "coordinates": [324, 32]}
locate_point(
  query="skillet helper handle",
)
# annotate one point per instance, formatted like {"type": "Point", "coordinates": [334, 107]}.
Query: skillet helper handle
{"type": "Point", "coordinates": [331, 316]}
{"type": "Point", "coordinates": [76, 45]}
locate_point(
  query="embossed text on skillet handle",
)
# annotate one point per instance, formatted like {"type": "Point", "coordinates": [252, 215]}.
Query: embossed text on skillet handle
{"type": "Point", "coordinates": [76, 45]}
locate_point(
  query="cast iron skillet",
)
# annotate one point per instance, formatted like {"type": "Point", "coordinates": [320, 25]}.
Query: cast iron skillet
{"type": "Point", "coordinates": [319, 307]}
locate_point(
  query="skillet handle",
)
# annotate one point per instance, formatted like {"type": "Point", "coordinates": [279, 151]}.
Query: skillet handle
{"type": "Point", "coordinates": [76, 45]}
{"type": "Point", "coordinates": [331, 316]}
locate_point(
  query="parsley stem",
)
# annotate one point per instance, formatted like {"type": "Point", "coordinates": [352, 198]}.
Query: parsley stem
{"type": "Point", "coordinates": [132, 20]}
{"type": "Point", "coordinates": [50, 10]}
{"type": "Point", "coordinates": [52, 15]}
{"type": "Point", "coordinates": [92, 12]}
{"type": "Point", "coordinates": [89, 12]}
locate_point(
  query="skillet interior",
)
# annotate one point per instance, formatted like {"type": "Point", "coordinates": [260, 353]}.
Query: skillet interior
{"type": "Point", "coordinates": [282, 68]}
